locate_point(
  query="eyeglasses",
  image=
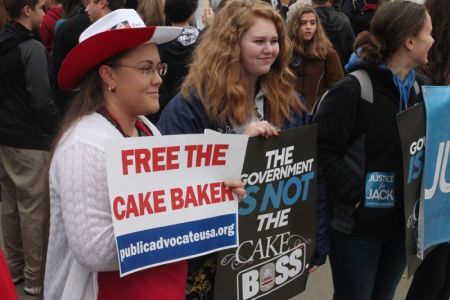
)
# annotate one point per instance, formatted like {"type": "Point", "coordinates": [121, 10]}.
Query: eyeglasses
{"type": "Point", "coordinates": [147, 69]}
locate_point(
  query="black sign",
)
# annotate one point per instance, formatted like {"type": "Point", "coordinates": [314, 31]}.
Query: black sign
{"type": "Point", "coordinates": [277, 220]}
{"type": "Point", "coordinates": [411, 125]}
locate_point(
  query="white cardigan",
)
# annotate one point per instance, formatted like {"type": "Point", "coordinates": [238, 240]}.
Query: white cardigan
{"type": "Point", "coordinates": [81, 239]}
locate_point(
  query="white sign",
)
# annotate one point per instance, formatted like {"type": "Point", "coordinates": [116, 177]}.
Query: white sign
{"type": "Point", "coordinates": [168, 198]}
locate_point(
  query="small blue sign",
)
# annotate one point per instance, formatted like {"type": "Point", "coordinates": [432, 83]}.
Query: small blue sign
{"type": "Point", "coordinates": [380, 190]}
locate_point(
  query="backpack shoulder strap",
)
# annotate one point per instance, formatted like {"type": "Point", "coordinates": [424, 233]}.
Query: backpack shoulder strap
{"type": "Point", "coordinates": [365, 83]}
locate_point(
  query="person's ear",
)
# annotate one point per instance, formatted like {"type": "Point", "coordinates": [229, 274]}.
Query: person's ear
{"type": "Point", "coordinates": [27, 10]}
{"type": "Point", "coordinates": [106, 73]}
{"type": "Point", "coordinates": [409, 43]}
{"type": "Point", "coordinates": [103, 3]}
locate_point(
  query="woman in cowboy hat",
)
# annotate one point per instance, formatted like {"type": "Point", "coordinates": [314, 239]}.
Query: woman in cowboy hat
{"type": "Point", "coordinates": [117, 69]}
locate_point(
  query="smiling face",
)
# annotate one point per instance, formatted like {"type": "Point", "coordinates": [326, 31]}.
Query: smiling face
{"type": "Point", "coordinates": [137, 88]}
{"type": "Point", "coordinates": [259, 48]}
{"type": "Point", "coordinates": [308, 26]}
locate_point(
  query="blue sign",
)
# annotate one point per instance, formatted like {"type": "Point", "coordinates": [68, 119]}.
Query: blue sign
{"type": "Point", "coordinates": [436, 180]}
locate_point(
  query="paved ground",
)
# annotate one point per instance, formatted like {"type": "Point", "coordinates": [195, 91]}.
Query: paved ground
{"type": "Point", "coordinates": [319, 285]}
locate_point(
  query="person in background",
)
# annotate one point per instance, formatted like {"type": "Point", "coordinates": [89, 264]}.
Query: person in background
{"type": "Point", "coordinates": [70, 8]}
{"type": "Point", "coordinates": [67, 37]}
{"type": "Point", "coordinates": [361, 21]}
{"type": "Point", "coordinates": [295, 6]}
{"type": "Point", "coordinates": [337, 27]}
{"type": "Point", "coordinates": [315, 62]}
{"type": "Point", "coordinates": [178, 54]}
{"type": "Point", "coordinates": [336, 4]}
{"type": "Point", "coordinates": [67, 32]}
{"type": "Point", "coordinates": [351, 8]}
{"type": "Point", "coordinates": [152, 12]}
{"type": "Point", "coordinates": [28, 119]}
{"type": "Point", "coordinates": [431, 280]}
{"type": "Point", "coordinates": [96, 9]}
{"type": "Point", "coordinates": [53, 13]}
{"type": "Point", "coordinates": [282, 6]}
{"type": "Point", "coordinates": [360, 153]}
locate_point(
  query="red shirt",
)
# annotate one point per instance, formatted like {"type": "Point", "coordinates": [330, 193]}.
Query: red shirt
{"type": "Point", "coordinates": [166, 282]}
{"type": "Point", "coordinates": [48, 26]}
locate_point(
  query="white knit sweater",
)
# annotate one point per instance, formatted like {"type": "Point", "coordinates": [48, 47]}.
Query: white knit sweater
{"type": "Point", "coordinates": [81, 240]}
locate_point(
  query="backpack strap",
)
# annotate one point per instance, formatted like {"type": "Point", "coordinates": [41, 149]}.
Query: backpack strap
{"type": "Point", "coordinates": [365, 83]}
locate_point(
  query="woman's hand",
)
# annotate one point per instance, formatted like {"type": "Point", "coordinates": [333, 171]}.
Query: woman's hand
{"type": "Point", "coordinates": [262, 128]}
{"type": "Point", "coordinates": [312, 269]}
{"type": "Point", "coordinates": [237, 187]}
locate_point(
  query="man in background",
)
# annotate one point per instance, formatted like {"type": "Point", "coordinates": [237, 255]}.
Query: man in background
{"type": "Point", "coordinates": [28, 121]}
{"type": "Point", "coordinates": [177, 54]}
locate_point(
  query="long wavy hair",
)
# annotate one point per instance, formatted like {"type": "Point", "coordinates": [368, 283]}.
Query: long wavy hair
{"type": "Point", "coordinates": [391, 25]}
{"type": "Point", "coordinates": [216, 75]}
{"type": "Point", "coordinates": [318, 47]}
{"type": "Point", "coordinates": [438, 67]}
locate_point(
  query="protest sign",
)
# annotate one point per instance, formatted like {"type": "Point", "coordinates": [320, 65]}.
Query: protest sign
{"type": "Point", "coordinates": [434, 213]}
{"type": "Point", "coordinates": [277, 220]}
{"type": "Point", "coordinates": [411, 125]}
{"type": "Point", "coordinates": [168, 198]}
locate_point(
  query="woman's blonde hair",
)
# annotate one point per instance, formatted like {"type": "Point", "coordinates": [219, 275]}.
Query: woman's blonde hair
{"type": "Point", "coordinates": [318, 47]}
{"type": "Point", "coordinates": [216, 75]}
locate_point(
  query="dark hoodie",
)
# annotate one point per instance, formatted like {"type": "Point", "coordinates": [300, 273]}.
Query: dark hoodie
{"type": "Point", "coordinates": [361, 22]}
{"type": "Point", "coordinates": [177, 57]}
{"type": "Point", "coordinates": [28, 115]}
{"type": "Point", "coordinates": [339, 31]}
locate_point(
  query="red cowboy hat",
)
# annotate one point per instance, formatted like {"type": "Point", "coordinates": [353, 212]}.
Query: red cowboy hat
{"type": "Point", "coordinates": [112, 34]}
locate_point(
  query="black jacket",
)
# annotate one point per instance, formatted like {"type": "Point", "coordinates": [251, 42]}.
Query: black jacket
{"type": "Point", "coordinates": [178, 58]}
{"type": "Point", "coordinates": [361, 22]}
{"type": "Point", "coordinates": [339, 31]}
{"type": "Point", "coordinates": [66, 37]}
{"type": "Point", "coordinates": [357, 138]}
{"type": "Point", "coordinates": [28, 116]}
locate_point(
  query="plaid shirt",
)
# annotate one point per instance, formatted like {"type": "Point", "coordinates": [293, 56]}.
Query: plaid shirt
{"type": "Point", "coordinates": [188, 36]}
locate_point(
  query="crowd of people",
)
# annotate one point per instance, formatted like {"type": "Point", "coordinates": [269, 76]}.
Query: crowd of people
{"type": "Point", "coordinates": [86, 71]}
